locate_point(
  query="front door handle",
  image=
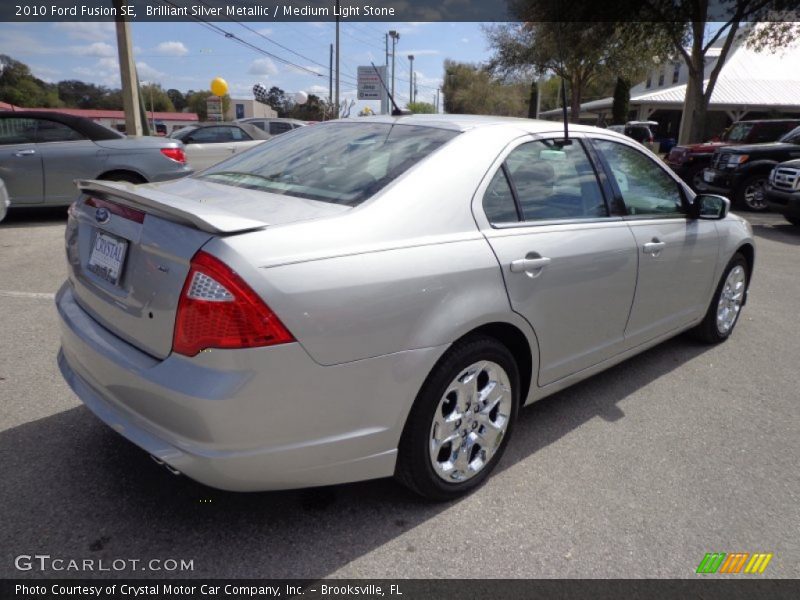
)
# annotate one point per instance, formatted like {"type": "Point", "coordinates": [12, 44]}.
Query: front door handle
{"type": "Point", "coordinates": [24, 152]}
{"type": "Point", "coordinates": [529, 264]}
{"type": "Point", "coordinates": [654, 247]}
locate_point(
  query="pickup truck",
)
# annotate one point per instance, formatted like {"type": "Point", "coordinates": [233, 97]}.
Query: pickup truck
{"type": "Point", "coordinates": [741, 172]}
{"type": "Point", "coordinates": [689, 161]}
{"type": "Point", "coordinates": [783, 190]}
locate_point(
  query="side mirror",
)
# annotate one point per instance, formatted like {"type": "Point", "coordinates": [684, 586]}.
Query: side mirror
{"type": "Point", "coordinates": [710, 207]}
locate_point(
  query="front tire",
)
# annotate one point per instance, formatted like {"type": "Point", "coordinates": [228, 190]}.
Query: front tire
{"type": "Point", "coordinates": [723, 313]}
{"type": "Point", "coordinates": [461, 420]}
{"type": "Point", "coordinates": [751, 193]}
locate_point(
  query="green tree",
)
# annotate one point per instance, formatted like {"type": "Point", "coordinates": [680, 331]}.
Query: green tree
{"type": "Point", "coordinates": [421, 108]}
{"type": "Point", "coordinates": [688, 25]}
{"type": "Point", "coordinates": [580, 52]}
{"type": "Point", "coordinates": [622, 99]}
{"type": "Point", "coordinates": [18, 86]}
{"type": "Point", "coordinates": [472, 89]}
{"type": "Point", "coordinates": [177, 98]}
{"type": "Point", "coordinates": [156, 99]}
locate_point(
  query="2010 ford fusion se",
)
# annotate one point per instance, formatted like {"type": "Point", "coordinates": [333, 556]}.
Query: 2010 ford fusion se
{"type": "Point", "coordinates": [379, 296]}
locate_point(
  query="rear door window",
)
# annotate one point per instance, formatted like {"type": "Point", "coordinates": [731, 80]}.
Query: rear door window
{"type": "Point", "coordinates": [53, 131]}
{"type": "Point", "coordinates": [549, 181]}
{"type": "Point", "coordinates": [17, 131]}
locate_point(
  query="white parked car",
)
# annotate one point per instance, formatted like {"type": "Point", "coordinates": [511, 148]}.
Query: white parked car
{"type": "Point", "coordinates": [209, 143]}
{"type": "Point", "coordinates": [4, 201]}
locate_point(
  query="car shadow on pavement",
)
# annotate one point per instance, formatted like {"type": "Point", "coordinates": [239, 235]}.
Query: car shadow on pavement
{"type": "Point", "coordinates": [73, 488]}
{"type": "Point", "coordinates": [34, 217]}
{"type": "Point", "coordinates": [785, 233]}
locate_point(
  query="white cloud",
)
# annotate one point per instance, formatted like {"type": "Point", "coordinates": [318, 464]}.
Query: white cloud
{"type": "Point", "coordinates": [465, 40]}
{"type": "Point", "coordinates": [89, 31]}
{"type": "Point", "coordinates": [172, 49]}
{"type": "Point", "coordinates": [148, 73]}
{"type": "Point", "coordinates": [263, 66]}
{"type": "Point", "coordinates": [99, 49]}
{"type": "Point", "coordinates": [319, 90]}
{"type": "Point", "coordinates": [265, 31]}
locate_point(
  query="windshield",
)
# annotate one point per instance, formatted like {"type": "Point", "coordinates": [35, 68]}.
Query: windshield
{"type": "Point", "coordinates": [343, 163]}
{"type": "Point", "coordinates": [793, 137]}
{"type": "Point", "coordinates": [737, 132]}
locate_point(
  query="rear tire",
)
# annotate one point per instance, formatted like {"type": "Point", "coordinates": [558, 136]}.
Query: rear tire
{"type": "Point", "coordinates": [723, 313]}
{"type": "Point", "coordinates": [751, 195]}
{"type": "Point", "coordinates": [123, 176]}
{"type": "Point", "coordinates": [461, 420]}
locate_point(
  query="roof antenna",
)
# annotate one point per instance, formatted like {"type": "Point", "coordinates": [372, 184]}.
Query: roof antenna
{"type": "Point", "coordinates": [566, 141]}
{"type": "Point", "coordinates": [396, 111]}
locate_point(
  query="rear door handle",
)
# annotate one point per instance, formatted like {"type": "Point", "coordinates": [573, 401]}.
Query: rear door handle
{"type": "Point", "coordinates": [529, 264]}
{"type": "Point", "coordinates": [653, 247]}
{"type": "Point", "coordinates": [24, 152]}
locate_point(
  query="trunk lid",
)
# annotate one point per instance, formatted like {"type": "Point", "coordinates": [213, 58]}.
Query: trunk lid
{"type": "Point", "coordinates": [129, 247]}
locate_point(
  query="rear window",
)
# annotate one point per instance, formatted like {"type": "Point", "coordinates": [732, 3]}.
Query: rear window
{"type": "Point", "coordinates": [341, 163]}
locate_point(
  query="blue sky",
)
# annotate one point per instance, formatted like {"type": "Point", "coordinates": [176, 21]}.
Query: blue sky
{"type": "Point", "coordinates": [188, 55]}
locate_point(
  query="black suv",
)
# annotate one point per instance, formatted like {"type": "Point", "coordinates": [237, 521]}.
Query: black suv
{"type": "Point", "coordinates": [741, 172]}
{"type": "Point", "coordinates": [689, 160]}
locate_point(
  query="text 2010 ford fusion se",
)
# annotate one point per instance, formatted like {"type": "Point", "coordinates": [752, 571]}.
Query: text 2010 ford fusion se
{"type": "Point", "coordinates": [377, 297]}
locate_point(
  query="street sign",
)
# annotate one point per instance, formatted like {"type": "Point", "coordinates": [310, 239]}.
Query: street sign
{"type": "Point", "coordinates": [214, 108]}
{"type": "Point", "coordinates": [369, 84]}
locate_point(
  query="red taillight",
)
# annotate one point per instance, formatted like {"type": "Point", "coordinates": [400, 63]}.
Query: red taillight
{"type": "Point", "coordinates": [217, 309]}
{"type": "Point", "coordinates": [176, 154]}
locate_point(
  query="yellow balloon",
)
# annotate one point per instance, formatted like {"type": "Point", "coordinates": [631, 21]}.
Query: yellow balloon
{"type": "Point", "coordinates": [219, 87]}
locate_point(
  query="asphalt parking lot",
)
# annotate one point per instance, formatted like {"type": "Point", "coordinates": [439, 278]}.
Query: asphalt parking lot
{"type": "Point", "coordinates": [637, 472]}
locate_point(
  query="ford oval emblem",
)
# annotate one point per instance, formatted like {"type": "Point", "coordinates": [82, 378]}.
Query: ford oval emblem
{"type": "Point", "coordinates": [101, 215]}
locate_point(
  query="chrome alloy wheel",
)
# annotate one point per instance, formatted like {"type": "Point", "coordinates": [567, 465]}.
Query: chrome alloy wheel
{"type": "Point", "coordinates": [470, 421]}
{"type": "Point", "coordinates": [730, 300]}
{"type": "Point", "coordinates": [754, 195]}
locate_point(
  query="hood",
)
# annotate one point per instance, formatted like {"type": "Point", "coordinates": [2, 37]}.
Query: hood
{"type": "Point", "coordinates": [768, 147]}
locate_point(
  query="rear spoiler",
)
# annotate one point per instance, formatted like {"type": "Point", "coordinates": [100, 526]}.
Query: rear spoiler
{"type": "Point", "coordinates": [171, 207]}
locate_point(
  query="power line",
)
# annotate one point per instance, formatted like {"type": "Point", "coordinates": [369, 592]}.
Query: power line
{"type": "Point", "coordinates": [239, 40]}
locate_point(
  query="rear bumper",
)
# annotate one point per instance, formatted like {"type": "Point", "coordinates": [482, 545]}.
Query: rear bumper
{"type": "Point", "coordinates": [245, 420]}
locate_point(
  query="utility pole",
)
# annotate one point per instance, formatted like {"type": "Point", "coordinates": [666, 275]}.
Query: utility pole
{"type": "Point", "coordinates": [395, 36]}
{"type": "Point", "coordinates": [415, 87]}
{"type": "Point", "coordinates": [438, 100]}
{"type": "Point", "coordinates": [336, 98]}
{"type": "Point", "coordinates": [411, 79]}
{"type": "Point", "coordinates": [384, 99]}
{"type": "Point", "coordinates": [127, 69]}
{"type": "Point", "coordinates": [330, 76]}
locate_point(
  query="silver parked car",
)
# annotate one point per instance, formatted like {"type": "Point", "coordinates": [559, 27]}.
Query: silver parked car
{"type": "Point", "coordinates": [210, 143]}
{"type": "Point", "coordinates": [376, 297]}
{"type": "Point", "coordinates": [43, 152]}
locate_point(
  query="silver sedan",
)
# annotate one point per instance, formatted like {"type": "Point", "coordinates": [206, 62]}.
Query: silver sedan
{"type": "Point", "coordinates": [43, 152]}
{"type": "Point", "coordinates": [376, 297]}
